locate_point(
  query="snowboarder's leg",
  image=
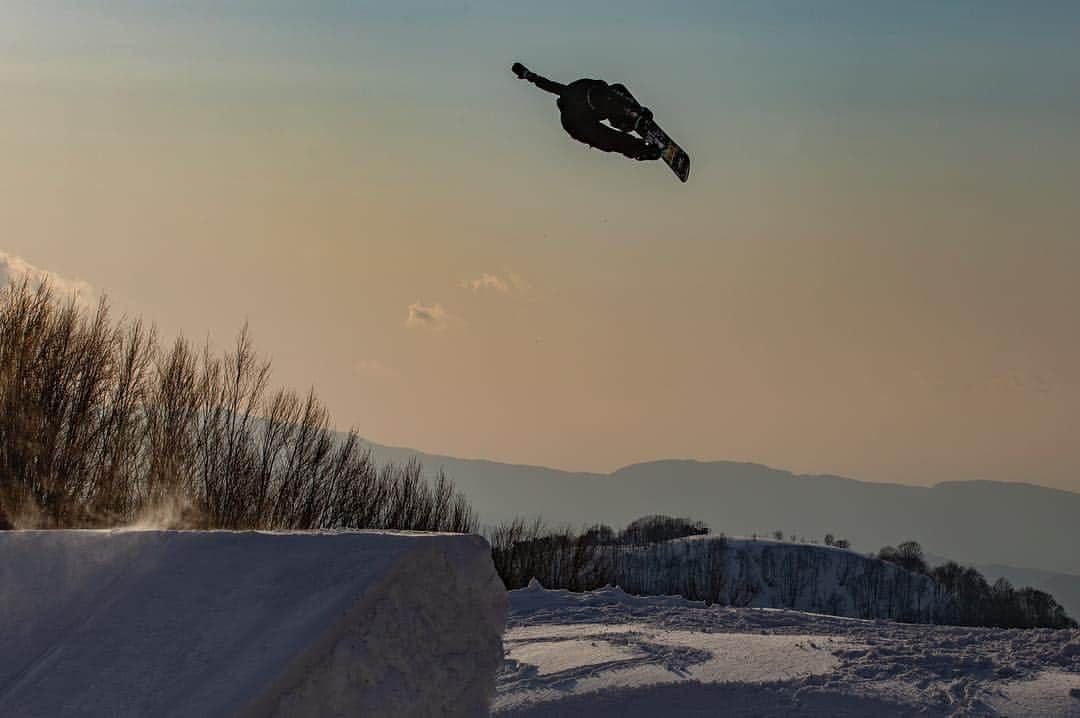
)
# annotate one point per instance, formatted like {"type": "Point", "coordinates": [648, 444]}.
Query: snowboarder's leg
{"type": "Point", "coordinates": [604, 138]}
{"type": "Point", "coordinates": [618, 106]}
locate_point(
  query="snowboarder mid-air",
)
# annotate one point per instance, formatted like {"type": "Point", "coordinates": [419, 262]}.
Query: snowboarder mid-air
{"type": "Point", "coordinates": [585, 104]}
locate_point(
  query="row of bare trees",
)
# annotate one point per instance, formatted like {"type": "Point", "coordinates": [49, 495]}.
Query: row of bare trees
{"type": "Point", "coordinates": [661, 555]}
{"type": "Point", "coordinates": [102, 426]}
{"type": "Point", "coordinates": [977, 602]}
{"type": "Point", "coordinates": [642, 559]}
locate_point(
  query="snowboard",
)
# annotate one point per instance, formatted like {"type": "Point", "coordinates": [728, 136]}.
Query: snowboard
{"type": "Point", "coordinates": [675, 156]}
{"type": "Point", "coordinates": [635, 118]}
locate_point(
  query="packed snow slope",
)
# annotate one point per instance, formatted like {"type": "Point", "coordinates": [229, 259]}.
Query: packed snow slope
{"type": "Point", "coordinates": [607, 653]}
{"type": "Point", "coordinates": [163, 623]}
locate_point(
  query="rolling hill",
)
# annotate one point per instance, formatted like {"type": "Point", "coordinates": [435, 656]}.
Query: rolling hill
{"type": "Point", "coordinates": [976, 522]}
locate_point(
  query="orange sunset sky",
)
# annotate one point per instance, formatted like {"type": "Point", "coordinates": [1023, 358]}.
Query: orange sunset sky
{"type": "Point", "coordinates": [872, 270]}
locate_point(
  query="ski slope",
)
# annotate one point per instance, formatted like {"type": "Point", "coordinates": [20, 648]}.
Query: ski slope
{"type": "Point", "coordinates": [99, 623]}
{"type": "Point", "coordinates": [607, 653]}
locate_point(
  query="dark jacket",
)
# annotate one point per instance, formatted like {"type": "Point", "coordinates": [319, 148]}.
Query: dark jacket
{"type": "Point", "coordinates": [585, 103]}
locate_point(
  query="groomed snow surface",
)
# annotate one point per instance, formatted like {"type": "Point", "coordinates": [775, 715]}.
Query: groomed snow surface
{"type": "Point", "coordinates": [208, 624]}
{"type": "Point", "coordinates": [382, 624]}
{"type": "Point", "coordinates": [606, 653]}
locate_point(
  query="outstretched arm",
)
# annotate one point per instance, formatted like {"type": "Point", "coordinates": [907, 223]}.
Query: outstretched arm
{"type": "Point", "coordinates": [543, 83]}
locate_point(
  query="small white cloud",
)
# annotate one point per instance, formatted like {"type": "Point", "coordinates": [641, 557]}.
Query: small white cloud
{"type": "Point", "coordinates": [487, 281]}
{"type": "Point", "coordinates": [432, 317]}
{"type": "Point", "coordinates": [371, 367]}
{"type": "Point", "coordinates": [15, 269]}
{"type": "Point", "coordinates": [516, 280]}
{"type": "Point", "coordinates": [502, 284]}
{"type": "Point", "coordinates": [1015, 380]}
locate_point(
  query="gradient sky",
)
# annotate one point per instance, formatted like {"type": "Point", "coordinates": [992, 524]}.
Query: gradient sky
{"type": "Point", "coordinates": [872, 271]}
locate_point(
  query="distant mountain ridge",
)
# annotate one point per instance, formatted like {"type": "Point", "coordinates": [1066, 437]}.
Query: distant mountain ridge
{"type": "Point", "coordinates": [978, 522]}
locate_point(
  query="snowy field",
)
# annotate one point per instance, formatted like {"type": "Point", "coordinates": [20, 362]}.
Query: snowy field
{"type": "Point", "coordinates": [606, 653]}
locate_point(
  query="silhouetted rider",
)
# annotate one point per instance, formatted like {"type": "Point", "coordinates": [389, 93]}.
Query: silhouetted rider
{"type": "Point", "coordinates": [584, 104]}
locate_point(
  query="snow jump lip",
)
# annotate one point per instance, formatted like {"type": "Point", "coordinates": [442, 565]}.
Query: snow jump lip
{"type": "Point", "coordinates": [246, 623]}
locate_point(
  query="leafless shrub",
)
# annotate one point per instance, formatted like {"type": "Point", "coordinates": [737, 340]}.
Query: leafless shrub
{"type": "Point", "coordinates": [100, 426]}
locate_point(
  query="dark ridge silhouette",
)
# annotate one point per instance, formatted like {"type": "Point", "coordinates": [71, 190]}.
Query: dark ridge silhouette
{"type": "Point", "coordinates": [976, 522]}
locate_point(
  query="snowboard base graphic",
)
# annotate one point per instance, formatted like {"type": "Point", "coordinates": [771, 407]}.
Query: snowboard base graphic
{"type": "Point", "coordinates": [675, 156]}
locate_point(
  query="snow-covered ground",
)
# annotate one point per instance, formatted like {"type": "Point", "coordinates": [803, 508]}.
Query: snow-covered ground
{"type": "Point", "coordinates": [218, 623]}
{"type": "Point", "coordinates": [166, 623]}
{"type": "Point", "coordinates": [606, 653]}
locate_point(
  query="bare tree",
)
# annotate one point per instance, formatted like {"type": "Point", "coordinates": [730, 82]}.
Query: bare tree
{"type": "Point", "coordinates": [99, 426]}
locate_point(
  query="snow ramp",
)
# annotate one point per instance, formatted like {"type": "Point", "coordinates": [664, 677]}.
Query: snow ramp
{"type": "Point", "coordinates": [175, 623]}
